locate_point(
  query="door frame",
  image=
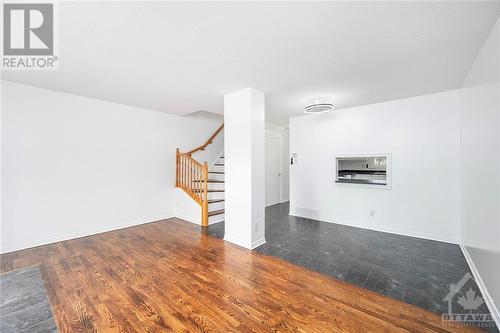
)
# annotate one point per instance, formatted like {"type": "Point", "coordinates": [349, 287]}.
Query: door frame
{"type": "Point", "coordinates": [272, 135]}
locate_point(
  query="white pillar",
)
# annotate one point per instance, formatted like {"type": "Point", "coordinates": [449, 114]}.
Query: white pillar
{"type": "Point", "coordinates": [244, 128]}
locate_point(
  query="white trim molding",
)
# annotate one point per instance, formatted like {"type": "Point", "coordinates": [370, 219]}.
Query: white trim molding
{"type": "Point", "coordinates": [89, 232]}
{"type": "Point", "coordinates": [479, 281]}
{"type": "Point", "coordinates": [258, 243]}
{"type": "Point", "coordinates": [190, 219]}
{"type": "Point", "coordinates": [316, 215]}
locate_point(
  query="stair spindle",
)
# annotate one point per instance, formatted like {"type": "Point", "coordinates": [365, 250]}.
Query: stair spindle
{"type": "Point", "coordinates": [192, 176]}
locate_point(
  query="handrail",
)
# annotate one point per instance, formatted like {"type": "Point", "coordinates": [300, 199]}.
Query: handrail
{"type": "Point", "coordinates": [209, 141]}
{"type": "Point", "coordinates": [192, 176]}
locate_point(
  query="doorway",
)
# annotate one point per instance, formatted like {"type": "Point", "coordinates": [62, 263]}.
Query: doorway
{"type": "Point", "coordinates": [273, 170]}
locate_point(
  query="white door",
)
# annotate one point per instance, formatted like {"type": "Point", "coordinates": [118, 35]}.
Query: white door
{"type": "Point", "coordinates": [273, 171]}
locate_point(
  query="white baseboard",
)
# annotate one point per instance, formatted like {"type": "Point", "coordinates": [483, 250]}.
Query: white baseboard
{"type": "Point", "coordinates": [244, 243]}
{"type": "Point", "coordinates": [258, 243]}
{"type": "Point", "coordinates": [195, 220]}
{"type": "Point", "coordinates": [237, 242]}
{"type": "Point", "coordinates": [89, 232]}
{"type": "Point", "coordinates": [479, 281]}
{"type": "Point", "coordinates": [387, 230]}
{"type": "Point", "coordinates": [188, 219]}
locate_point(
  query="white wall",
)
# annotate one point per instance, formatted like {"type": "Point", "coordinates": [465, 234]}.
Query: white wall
{"type": "Point", "coordinates": [480, 176]}
{"type": "Point", "coordinates": [421, 133]}
{"type": "Point", "coordinates": [73, 166]}
{"type": "Point", "coordinates": [282, 133]}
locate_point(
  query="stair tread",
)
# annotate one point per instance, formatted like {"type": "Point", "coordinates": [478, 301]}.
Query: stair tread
{"type": "Point", "coordinates": [219, 164]}
{"type": "Point", "coordinates": [218, 172]}
{"type": "Point", "coordinates": [215, 200]}
{"type": "Point", "coordinates": [216, 212]}
{"type": "Point", "coordinates": [209, 190]}
{"type": "Point", "coordinates": [210, 181]}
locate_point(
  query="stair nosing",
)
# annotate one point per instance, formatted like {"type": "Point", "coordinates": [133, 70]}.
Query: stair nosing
{"type": "Point", "coordinates": [209, 190]}
{"type": "Point", "coordinates": [215, 201]}
{"type": "Point", "coordinates": [210, 181]}
{"type": "Point", "coordinates": [216, 212]}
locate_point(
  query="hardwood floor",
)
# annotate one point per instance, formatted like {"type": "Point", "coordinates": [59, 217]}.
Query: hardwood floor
{"type": "Point", "coordinates": [167, 276]}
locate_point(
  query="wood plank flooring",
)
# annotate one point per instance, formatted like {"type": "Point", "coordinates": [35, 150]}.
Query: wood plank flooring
{"type": "Point", "coordinates": [168, 276]}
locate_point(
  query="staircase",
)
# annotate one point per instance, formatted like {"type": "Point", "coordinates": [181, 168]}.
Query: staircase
{"type": "Point", "coordinates": [216, 198]}
{"type": "Point", "coordinates": [204, 186]}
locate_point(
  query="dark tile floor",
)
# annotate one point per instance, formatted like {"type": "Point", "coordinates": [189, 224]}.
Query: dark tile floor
{"type": "Point", "coordinates": [24, 305]}
{"type": "Point", "coordinates": [412, 270]}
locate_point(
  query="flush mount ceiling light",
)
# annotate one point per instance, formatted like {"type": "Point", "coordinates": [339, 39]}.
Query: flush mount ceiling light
{"type": "Point", "coordinates": [319, 105]}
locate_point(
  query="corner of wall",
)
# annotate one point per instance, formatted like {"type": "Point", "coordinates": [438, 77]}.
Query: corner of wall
{"type": "Point", "coordinates": [480, 143]}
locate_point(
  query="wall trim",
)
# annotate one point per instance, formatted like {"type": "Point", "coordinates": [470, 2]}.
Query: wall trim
{"type": "Point", "coordinates": [479, 281]}
{"type": "Point", "coordinates": [70, 236]}
{"type": "Point", "coordinates": [258, 242]}
{"type": "Point", "coordinates": [93, 231]}
{"type": "Point", "coordinates": [194, 220]}
{"type": "Point", "coordinates": [387, 230]}
{"type": "Point", "coordinates": [188, 219]}
{"type": "Point", "coordinates": [236, 242]}
{"type": "Point", "coordinates": [245, 244]}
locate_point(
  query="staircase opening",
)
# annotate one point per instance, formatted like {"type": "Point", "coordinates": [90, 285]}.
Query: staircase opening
{"type": "Point", "coordinates": [203, 183]}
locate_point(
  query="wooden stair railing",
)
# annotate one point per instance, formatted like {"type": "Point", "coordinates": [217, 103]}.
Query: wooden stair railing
{"type": "Point", "coordinates": [209, 141]}
{"type": "Point", "coordinates": [192, 176]}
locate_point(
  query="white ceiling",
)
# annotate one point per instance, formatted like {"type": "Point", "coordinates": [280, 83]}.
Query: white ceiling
{"type": "Point", "coordinates": [183, 57]}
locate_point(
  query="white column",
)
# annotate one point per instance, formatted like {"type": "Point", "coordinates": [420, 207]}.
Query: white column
{"type": "Point", "coordinates": [244, 128]}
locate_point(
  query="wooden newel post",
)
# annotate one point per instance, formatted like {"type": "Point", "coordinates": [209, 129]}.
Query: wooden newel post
{"type": "Point", "coordinates": [204, 203]}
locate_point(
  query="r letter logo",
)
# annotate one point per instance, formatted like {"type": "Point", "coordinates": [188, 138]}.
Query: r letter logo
{"type": "Point", "coordinates": [28, 36]}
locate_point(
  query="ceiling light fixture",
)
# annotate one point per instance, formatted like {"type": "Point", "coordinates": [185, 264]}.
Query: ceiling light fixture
{"type": "Point", "coordinates": [319, 105]}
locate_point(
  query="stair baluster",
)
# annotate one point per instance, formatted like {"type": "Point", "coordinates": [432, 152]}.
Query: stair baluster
{"type": "Point", "coordinates": [192, 176]}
